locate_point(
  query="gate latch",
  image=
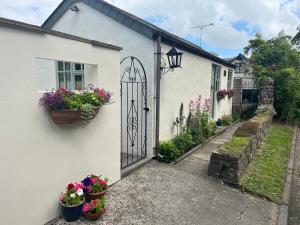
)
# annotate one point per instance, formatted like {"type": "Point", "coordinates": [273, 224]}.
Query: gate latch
{"type": "Point", "coordinates": [146, 109]}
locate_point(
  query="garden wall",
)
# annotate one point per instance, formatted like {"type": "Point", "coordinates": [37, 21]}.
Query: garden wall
{"type": "Point", "coordinates": [37, 157]}
{"type": "Point", "coordinates": [229, 168]}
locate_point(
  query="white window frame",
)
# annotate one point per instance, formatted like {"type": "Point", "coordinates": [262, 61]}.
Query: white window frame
{"type": "Point", "coordinates": [229, 80]}
{"type": "Point", "coordinates": [73, 73]}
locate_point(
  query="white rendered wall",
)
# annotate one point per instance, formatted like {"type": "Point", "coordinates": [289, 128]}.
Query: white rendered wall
{"type": "Point", "coordinates": [224, 106]}
{"type": "Point", "coordinates": [182, 85]}
{"type": "Point", "coordinates": [37, 157]}
{"type": "Point", "coordinates": [92, 24]}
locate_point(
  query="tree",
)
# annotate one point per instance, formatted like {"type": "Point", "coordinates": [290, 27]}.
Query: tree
{"type": "Point", "coordinates": [279, 59]}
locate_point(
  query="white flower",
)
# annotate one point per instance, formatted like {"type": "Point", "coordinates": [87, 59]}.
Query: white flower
{"type": "Point", "coordinates": [73, 195]}
{"type": "Point", "coordinates": [80, 192]}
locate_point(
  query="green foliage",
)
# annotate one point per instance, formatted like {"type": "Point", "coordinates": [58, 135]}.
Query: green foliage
{"type": "Point", "coordinates": [212, 128]}
{"type": "Point", "coordinates": [169, 151]}
{"type": "Point", "coordinates": [226, 120]}
{"type": "Point", "coordinates": [71, 198]}
{"type": "Point", "coordinates": [265, 176]}
{"type": "Point", "coordinates": [277, 58]}
{"type": "Point", "coordinates": [72, 101]}
{"type": "Point", "coordinates": [195, 130]}
{"type": "Point", "coordinates": [235, 146]}
{"type": "Point", "coordinates": [87, 112]}
{"type": "Point", "coordinates": [204, 118]}
{"type": "Point", "coordinates": [179, 123]}
{"type": "Point", "coordinates": [183, 142]}
{"type": "Point", "coordinates": [247, 129]}
{"type": "Point", "coordinates": [91, 98]}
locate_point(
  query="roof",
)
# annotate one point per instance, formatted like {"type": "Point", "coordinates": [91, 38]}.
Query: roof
{"type": "Point", "coordinates": [32, 28]}
{"type": "Point", "coordinates": [135, 23]}
{"type": "Point", "coordinates": [238, 57]}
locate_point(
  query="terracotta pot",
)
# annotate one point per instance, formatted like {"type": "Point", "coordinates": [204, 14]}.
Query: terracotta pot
{"type": "Point", "coordinates": [92, 196]}
{"type": "Point", "coordinates": [95, 216]}
{"type": "Point", "coordinates": [64, 116]}
{"type": "Point", "coordinates": [71, 213]}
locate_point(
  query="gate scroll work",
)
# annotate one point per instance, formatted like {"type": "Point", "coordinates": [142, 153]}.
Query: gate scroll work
{"type": "Point", "coordinates": [134, 110]}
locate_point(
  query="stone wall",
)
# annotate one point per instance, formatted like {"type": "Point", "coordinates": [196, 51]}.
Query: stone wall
{"type": "Point", "coordinates": [230, 168]}
{"type": "Point", "coordinates": [266, 87]}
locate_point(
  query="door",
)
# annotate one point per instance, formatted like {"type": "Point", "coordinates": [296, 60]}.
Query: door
{"type": "Point", "coordinates": [215, 87]}
{"type": "Point", "coordinates": [134, 110]}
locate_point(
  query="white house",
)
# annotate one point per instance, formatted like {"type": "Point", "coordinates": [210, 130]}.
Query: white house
{"type": "Point", "coordinates": [37, 157]}
{"type": "Point", "coordinates": [150, 103]}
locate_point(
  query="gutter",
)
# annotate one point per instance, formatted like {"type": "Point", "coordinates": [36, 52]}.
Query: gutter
{"type": "Point", "coordinates": [157, 86]}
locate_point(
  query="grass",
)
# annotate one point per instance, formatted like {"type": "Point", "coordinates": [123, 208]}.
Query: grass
{"type": "Point", "coordinates": [265, 176]}
{"type": "Point", "coordinates": [234, 146]}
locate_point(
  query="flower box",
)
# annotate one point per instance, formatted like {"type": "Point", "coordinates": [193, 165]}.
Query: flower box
{"type": "Point", "coordinates": [67, 107]}
{"type": "Point", "coordinates": [221, 94]}
{"type": "Point", "coordinates": [65, 116]}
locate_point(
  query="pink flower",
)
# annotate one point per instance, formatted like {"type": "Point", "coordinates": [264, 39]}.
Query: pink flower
{"type": "Point", "coordinates": [86, 207]}
{"type": "Point", "coordinates": [102, 182]}
{"type": "Point", "coordinates": [191, 105]}
{"type": "Point", "coordinates": [94, 180]}
{"type": "Point", "coordinates": [78, 186]}
{"type": "Point", "coordinates": [94, 203]}
{"type": "Point", "coordinates": [89, 189]}
{"type": "Point", "coordinates": [61, 197]}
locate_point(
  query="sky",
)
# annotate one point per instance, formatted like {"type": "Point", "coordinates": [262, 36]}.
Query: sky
{"type": "Point", "coordinates": [235, 21]}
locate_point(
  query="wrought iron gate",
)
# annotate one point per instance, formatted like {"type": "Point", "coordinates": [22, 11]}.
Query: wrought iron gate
{"type": "Point", "coordinates": [133, 111]}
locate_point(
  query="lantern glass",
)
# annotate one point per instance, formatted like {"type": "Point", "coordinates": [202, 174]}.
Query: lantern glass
{"type": "Point", "coordinates": [174, 58]}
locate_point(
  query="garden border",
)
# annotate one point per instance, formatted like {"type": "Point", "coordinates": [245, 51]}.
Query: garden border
{"type": "Point", "coordinates": [284, 207]}
{"type": "Point", "coordinates": [205, 142]}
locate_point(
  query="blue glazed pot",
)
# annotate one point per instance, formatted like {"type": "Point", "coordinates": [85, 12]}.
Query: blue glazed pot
{"type": "Point", "coordinates": [71, 213]}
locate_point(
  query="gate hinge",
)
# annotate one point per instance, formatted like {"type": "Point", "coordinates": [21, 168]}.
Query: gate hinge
{"type": "Point", "coordinates": [146, 109]}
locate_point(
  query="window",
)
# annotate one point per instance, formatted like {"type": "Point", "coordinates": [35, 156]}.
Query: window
{"type": "Point", "coordinates": [217, 71]}
{"type": "Point", "coordinates": [229, 80]}
{"type": "Point", "coordinates": [240, 67]}
{"type": "Point", "coordinates": [70, 75]}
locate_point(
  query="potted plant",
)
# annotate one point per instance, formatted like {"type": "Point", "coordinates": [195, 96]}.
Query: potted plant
{"type": "Point", "coordinates": [72, 202]}
{"type": "Point", "coordinates": [66, 107]}
{"type": "Point", "coordinates": [94, 187]}
{"type": "Point", "coordinates": [221, 94]}
{"type": "Point", "coordinates": [95, 209]}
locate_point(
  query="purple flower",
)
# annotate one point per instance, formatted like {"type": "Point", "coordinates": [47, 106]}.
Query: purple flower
{"type": "Point", "coordinates": [52, 100]}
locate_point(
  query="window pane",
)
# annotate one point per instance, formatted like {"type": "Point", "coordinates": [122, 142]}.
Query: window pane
{"type": "Point", "coordinates": [68, 80]}
{"type": "Point", "coordinates": [60, 66]}
{"type": "Point", "coordinates": [67, 66]}
{"type": "Point", "coordinates": [79, 82]}
{"type": "Point", "coordinates": [61, 80]}
{"type": "Point", "coordinates": [78, 66]}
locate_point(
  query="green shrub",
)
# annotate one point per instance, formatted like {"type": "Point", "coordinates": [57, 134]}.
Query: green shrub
{"type": "Point", "coordinates": [184, 142]}
{"type": "Point", "coordinates": [195, 130]}
{"type": "Point", "coordinates": [169, 151]}
{"type": "Point", "coordinates": [204, 118]}
{"type": "Point", "coordinates": [247, 129]}
{"type": "Point", "coordinates": [226, 120]}
{"type": "Point", "coordinates": [235, 146]}
{"type": "Point", "coordinates": [212, 128]}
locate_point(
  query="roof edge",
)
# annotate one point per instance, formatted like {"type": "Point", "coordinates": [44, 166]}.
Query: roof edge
{"type": "Point", "coordinates": [33, 28]}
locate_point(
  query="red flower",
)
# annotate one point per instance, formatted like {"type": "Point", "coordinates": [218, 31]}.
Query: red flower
{"type": "Point", "coordinates": [70, 186]}
{"type": "Point", "coordinates": [102, 182]}
{"type": "Point", "coordinates": [94, 180]}
{"type": "Point", "coordinates": [95, 203]}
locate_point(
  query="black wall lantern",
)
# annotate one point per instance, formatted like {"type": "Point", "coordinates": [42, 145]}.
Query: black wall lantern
{"type": "Point", "coordinates": [174, 59]}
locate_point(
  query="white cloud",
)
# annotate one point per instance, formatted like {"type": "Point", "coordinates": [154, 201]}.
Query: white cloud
{"type": "Point", "coordinates": [270, 16]}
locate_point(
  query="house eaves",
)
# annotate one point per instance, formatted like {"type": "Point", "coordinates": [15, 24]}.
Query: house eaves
{"type": "Point", "coordinates": [36, 29]}
{"type": "Point", "coordinates": [135, 23]}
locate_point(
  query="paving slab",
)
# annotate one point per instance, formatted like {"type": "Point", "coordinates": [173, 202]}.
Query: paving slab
{"type": "Point", "coordinates": [160, 194]}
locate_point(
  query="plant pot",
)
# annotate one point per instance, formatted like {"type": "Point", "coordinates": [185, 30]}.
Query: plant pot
{"type": "Point", "coordinates": [95, 216]}
{"type": "Point", "coordinates": [96, 111]}
{"type": "Point", "coordinates": [72, 213]}
{"type": "Point", "coordinates": [64, 116]}
{"type": "Point", "coordinates": [92, 196]}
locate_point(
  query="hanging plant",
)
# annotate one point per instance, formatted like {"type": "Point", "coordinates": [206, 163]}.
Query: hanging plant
{"type": "Point", "coordinates": [65, 106]}
{"type": "Point", "coordinates": [231, 93]}
{"type": "Point", "coordinates": [221, 94]}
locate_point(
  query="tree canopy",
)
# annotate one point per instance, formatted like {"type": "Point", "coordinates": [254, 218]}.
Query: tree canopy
{"type": "Point", "coordinates": [279, 59]}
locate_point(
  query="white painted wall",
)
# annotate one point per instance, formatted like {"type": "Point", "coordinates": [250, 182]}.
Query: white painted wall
{"type": "Point", "coordinates": [92, 24]}
{"type": "Point", "coordinates": [224, 106]}
{"type": "Point", "coordinates": [38, 158]}
{"type": "Point", "coordinates": [182, 85]}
